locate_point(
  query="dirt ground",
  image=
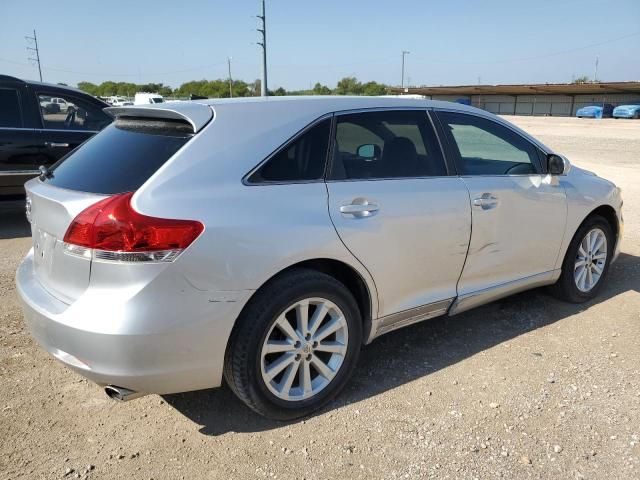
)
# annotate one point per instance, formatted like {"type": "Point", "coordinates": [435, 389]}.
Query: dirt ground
{"type": "Point", "coordinates": [528, 387]}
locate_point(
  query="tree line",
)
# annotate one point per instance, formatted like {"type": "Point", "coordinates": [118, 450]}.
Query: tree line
{"type": "Point", "coordinates": [220, 88]}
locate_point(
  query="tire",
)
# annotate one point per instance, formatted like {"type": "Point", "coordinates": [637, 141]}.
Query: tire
{"type": "Point", "coordinates": [247, 367]}
{"type": "Point", "coordinates": [568, 287]}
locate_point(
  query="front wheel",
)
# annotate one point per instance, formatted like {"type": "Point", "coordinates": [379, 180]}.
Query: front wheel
{"type": "Point", "coordinates": [295, 345]}
{"type": "Point", "coordinates": [586, 262]}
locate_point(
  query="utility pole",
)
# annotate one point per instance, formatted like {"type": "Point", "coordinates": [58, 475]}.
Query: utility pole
{"type": "Point", "coordinates": [263, 44]}
{"type": "Point", "coordinates": [595, 74]}
{"type": "Point", "coordinates": [404, 52]}
{"type": "Point", "coordinates": [230, 81]}
{"type": "Point", "coordinates": [34, 39]}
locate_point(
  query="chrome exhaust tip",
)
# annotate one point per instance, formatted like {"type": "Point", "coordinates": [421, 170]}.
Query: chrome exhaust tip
{"type": "Point", "coordinates": [121, 394]}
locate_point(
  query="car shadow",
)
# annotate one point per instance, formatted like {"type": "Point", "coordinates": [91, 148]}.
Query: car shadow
{"type": "Point", "coordinates": [13, 222]}
{"type": "Point", "coordinates": [415, 352]}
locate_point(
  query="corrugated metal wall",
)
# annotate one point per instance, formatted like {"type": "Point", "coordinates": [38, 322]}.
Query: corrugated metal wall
{"type": "Point", "coordinates": [549, 105]}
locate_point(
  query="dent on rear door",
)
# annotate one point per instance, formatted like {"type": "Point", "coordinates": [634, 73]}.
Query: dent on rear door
{"type": "Point", "coordinates": [415, 246]}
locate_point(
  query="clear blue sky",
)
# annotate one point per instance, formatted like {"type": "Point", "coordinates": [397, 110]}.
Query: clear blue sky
{"type": "Point", "coordinates": [451, 42]}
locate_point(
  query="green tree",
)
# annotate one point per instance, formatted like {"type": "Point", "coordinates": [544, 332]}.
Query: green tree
{"type": "Point", "coordinates": [582, 79]}
{"type": "Point", "coordinates": [126, 89]}
{"type": "Point", "coordinates": [319, 89]}
{"type": "Point", "coordinates": [241, 89]}
{"type": "Point", "coordinates": [374, 89]}
{"type": "Point", "coordinates": [255, 87]}
{"type": "Point", "coordinates": [90, 88]}
{"type": "Point", "coordinates": [220, 88]}
{"type": "Point", "coordinates": [348, 86]}
{"type": "Point", "coordinates": [165, 91]}
{"type": "Point", "coordinates": [107, 88]}
{"type": "Point", "coordinates": [193, 87]}
{"type": "Point", "coordinates": [214, 88]}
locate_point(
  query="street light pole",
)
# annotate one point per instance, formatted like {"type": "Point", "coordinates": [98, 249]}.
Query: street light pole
{"type": "Point", "coordinates": [263, 86]}
{"type": "Point", "coordinates": [230, 80]}
{"type": "Point", "coordinates": [404, 52]}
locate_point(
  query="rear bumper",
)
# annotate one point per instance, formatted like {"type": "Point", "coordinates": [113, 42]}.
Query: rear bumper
{"type": "Point", "coordinates": [167, 337]}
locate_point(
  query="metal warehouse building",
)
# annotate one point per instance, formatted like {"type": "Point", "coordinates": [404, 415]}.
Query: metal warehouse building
{"type": "Point", "coordinates": [554, 99]}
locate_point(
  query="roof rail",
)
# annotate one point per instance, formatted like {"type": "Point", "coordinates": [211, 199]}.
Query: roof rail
{"type": "Point", "coordinates": [9, 78]}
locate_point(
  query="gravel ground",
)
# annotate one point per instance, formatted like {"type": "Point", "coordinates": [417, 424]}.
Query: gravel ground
{"type": "Point", "coordinates": [527, 387]}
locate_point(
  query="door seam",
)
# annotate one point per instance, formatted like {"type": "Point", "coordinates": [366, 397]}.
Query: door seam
{"type": "Point", "coordinates": [335, 229]}
{"type": "Point", "coordinates": [466, 257]}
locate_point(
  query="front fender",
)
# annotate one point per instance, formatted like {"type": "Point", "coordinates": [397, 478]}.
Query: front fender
{"type": "Point", "coordinates": [587, 192]}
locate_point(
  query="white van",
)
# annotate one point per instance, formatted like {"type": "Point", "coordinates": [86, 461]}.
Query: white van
{"type": "Point", "coordinates": [147, 98]}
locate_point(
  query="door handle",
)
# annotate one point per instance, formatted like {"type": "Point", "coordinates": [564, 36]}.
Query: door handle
{"type": "Point", "coordinates": [486, 201]}
{"type": "Point", "coordinates": [56, 145]}
{"type": "Point", "coordinates": [360, 208]}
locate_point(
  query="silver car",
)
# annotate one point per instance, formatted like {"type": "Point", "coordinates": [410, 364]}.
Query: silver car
{"type": "Point", "coordinates": [266, 240]}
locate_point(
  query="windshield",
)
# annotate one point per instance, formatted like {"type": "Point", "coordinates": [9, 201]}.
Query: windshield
{"type": "Point", "coordinates": [157, 100]}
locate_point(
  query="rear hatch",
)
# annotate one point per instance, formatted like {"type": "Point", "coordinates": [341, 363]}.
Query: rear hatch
{"type": "Point", "coordinates": [51, 212]}
{"type": "Point", "coordinates": [119, 159]}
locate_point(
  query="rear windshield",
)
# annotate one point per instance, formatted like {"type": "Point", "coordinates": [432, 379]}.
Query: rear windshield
{"type": "Point", "coordinates": [121, 157]}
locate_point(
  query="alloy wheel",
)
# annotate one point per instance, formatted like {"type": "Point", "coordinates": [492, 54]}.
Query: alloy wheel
{"type": "Point", "coordinates": [304, 349]}
{"type": "Point", "coordinates": [590, 260]}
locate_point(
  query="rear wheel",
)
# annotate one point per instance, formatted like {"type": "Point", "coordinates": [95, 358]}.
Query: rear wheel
{"type": "Point", "coordinates": [586, 262]}
{"type": "Point", "coordinates": [295, 345]}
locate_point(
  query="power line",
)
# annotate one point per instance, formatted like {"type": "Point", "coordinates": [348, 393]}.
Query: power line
{"type": "Point", "coordinates": [380, 60]}
{"type": "Point", "coordinates": [34, 49]}
{"type": "Point", "coordinates": [109, 74]}
{"type": "Point", "coordinates": [536, 57]}
{"type": "Point", "coordinates": [191, 69]}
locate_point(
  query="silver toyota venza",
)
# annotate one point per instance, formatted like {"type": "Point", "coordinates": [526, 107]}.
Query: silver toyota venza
{"type": "Point", "coordinates": [266, 240]}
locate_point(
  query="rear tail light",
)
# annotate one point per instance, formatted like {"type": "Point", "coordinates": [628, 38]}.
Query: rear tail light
{"type": "Point", "coordinates": [111, 230]}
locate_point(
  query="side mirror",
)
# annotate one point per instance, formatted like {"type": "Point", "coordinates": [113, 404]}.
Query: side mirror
{"type": "Point", "coordinates": [367, 151]}
{"type": "Point", "coordinates": [557, 165]}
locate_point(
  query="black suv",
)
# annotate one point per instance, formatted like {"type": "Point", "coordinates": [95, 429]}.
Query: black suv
{"type": "Point", "coordinates": [40, 123]}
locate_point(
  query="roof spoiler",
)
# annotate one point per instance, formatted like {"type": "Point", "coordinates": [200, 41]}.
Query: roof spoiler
{"type": "Point", "coordinates": [196, 114]}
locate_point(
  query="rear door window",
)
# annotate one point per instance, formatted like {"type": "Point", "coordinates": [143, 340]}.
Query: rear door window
{"type": "Point", "coordinates": [386, 144]}
{"type": "Point", "coordinates": [121, 157]}
{"type": "Point", "coordinates": [70, 113]}
{"type": "Point", "coordinates": [10, 114]}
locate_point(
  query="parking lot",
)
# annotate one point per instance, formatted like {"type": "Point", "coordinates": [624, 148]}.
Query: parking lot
{"type": "Point", "coordinates": [527, 387]}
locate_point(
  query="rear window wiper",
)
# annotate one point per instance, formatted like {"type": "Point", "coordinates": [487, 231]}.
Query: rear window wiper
{"type": "Point", "coordinates": [45, 172]}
